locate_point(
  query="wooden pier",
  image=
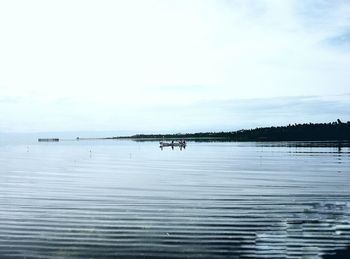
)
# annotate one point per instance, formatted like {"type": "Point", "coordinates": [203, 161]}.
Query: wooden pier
{"type": "Point", "coordinates": [48, 139]}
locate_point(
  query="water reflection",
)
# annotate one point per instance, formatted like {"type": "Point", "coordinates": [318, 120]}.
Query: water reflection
{"type": "Point", "coordinates": [216, 199]}
{"type": "Point", "coordinates": [172, 147]}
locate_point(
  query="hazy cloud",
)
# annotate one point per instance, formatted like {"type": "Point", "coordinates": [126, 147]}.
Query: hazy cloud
{"type": "Point", "coordinates": [339, 41]}
{"type": "Point", "coordinates": [170, 65]}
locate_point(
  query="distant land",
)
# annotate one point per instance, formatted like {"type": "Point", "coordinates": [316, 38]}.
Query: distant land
{"type": "Point", "coordinates": [294, 132]}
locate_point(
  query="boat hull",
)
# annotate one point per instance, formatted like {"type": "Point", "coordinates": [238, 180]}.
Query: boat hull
{"type": "Point", "coordinates": [175, 144]}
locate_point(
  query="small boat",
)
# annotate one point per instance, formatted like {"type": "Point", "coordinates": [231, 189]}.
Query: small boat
{"type": "Point", "coordinates": [181, 143]}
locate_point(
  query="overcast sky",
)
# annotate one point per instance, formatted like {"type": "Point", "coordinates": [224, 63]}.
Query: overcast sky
{"type": "Point", "coordinates": [172, 66]}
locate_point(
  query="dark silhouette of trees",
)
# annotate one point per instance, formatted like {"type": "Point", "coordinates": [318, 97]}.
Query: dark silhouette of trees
{"type": "Point", "coordinates": [307, 132]}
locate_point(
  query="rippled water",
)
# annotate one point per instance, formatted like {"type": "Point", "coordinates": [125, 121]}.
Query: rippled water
{"type": "Point", "coordinates": [121, 198]}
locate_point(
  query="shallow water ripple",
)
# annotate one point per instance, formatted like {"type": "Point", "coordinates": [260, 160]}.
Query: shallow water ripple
{"type": "Point", "coordinates": [117, 199]}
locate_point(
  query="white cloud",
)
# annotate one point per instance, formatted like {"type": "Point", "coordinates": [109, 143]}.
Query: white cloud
{"type": "Point", "coordinates": [115, 60]}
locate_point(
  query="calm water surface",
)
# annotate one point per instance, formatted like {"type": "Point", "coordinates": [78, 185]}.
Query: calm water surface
{"type": "Point", "coordinates": [105, 199]}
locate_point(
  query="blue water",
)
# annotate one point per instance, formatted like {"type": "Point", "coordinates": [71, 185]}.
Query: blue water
{"type": "Point", "coordinates": [100, 199]}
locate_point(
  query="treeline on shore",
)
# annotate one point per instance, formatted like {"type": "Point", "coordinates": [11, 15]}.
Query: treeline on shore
{"type": "Point", "coordinates": [303, 132]}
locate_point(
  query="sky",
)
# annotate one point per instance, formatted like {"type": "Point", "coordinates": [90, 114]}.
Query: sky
{"type": "Point", "coordinates": [172, 66]}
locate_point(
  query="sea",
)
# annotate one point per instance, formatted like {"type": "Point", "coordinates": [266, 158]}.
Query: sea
{"type": "Point", "coordinates": [132, 199]}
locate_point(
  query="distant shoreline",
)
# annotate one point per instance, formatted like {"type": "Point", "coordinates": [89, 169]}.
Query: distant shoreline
{"type": "Point", "coordinates": [333, 131]}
